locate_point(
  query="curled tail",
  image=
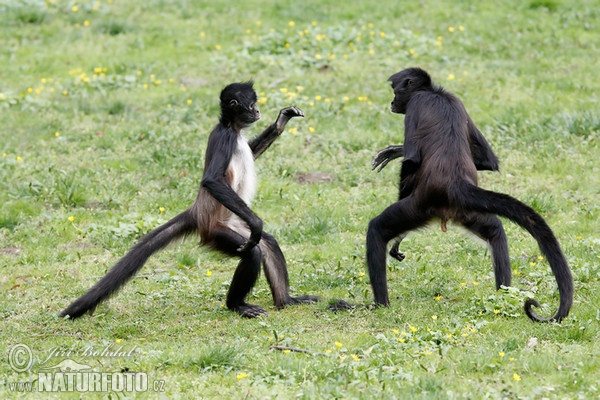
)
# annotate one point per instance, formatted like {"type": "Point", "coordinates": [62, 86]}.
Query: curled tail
{"type": "Point", "coordinates": [127, 267]}
{"type": "Point", "coordinates": [481, 200]}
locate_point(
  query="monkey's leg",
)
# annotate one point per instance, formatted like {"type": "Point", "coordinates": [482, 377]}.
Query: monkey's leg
{"type": "Point", "coordinates": [246, 273]}
{"type": "Point", "coordinates": [397, 219]}
{"type": "Point", "coordinates": [275, 269]}
{"type": "Point", "coordinates": [489, 228]}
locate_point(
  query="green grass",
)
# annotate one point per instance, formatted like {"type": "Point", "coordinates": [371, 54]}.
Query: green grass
{"type": "Point", "coordinates": [105, 108]}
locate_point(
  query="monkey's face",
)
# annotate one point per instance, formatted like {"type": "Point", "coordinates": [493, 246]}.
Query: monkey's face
{"type": "Point", "coordinates": [238, 104]}
{"type": "Point", "coordinates": [401, 97]}
{"type": "Point", "coordinates": [404, 84]}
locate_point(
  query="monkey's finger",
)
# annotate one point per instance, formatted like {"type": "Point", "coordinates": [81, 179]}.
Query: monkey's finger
{"type": "Point", "coordinates": [246, 246]}
{"type": "Point", "coordinates": [291, 112]}
{"type": "Point", "coordinates": [383, 164]}
{"type": "Point", "coordinates": [379, 159]}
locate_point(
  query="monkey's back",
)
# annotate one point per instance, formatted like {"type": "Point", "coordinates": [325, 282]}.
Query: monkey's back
{"type": "Point", "coordinates": [441, 135]}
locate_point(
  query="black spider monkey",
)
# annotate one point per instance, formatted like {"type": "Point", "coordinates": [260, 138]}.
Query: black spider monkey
{"type": "Point", "coordinates": [221, 214]}
{"type": "Point", "coordinates": [483, 157]}
{"type": "Point", "coordinates": [442, 152]}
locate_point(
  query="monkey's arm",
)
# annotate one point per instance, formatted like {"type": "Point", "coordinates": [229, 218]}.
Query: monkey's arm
{"type": "Point", "coordinates": [215, 182]}
{"type": "Point", "coordinates": [483, 156]}
{"type": "Point", "coordinates": [259, 144]}
{"type": "Point", "coordinates": [383, 157]}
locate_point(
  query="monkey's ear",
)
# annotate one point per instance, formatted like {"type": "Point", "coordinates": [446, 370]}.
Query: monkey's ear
{"type": "Point", "coordinates": [234, 103]}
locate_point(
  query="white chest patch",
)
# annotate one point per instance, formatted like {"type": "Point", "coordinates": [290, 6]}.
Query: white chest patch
{"type": "Point", "coordinates": [243, 173]}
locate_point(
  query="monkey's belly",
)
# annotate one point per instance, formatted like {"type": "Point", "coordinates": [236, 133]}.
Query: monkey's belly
{"type": "Point", "coordinates": [242, 173]}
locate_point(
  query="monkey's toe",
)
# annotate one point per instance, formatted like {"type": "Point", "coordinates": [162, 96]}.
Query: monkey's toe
{"type": "Point", "coordinates": [397, 255]}
{"type": "Point", "coordinates": [304, 299]}
{"type": "Point", "coordinates": [340, 305]}
{"type": "Point", "coordinates": [250, 311]}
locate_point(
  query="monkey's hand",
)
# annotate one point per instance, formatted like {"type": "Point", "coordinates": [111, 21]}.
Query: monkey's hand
{"type": "Point", "coordinates": [256, 229]}
{"type": "Point", "coordinates": [383, 157]}
{"type": "Point", "coordinates": [285, 115]}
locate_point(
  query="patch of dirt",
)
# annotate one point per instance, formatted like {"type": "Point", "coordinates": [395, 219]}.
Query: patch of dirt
{"type": "Point", "coordinates": [315, 177]}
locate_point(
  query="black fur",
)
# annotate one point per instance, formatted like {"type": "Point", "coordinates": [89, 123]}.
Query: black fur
{"type": "Point", "coordinates": [443, 149]}
{"type": "Point", "coordinates": [229, 161]}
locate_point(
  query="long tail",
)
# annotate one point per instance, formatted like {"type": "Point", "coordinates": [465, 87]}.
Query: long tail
{"type": "Point", "coordinates": [506, 206]}
{"type": "Point", "coordinates": [127, 267]}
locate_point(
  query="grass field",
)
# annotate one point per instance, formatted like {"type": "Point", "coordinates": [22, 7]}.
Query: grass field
{"type": "Point", "coordinates": [105, 108]}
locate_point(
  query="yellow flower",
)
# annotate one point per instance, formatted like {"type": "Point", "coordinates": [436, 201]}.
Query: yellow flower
{"type": "Point", "coordinates": [451, 77]}
{"type": "Point", "coordinates": [501, 354]}
{"type": "Point", "coordinates": [65, 92]}
{"type": "Point", "coordinates": [311, 129]}
{"type": "Point", "coordinates": [438, 297]}
{"type": "Point", "coordinates": [314, 23]}
{"type": "Point", "coordinates": [516, 377]}
{"type": "Point", "coordinates": [241, 376]}
{"type": "Point", "coordinates": [208, 272]}
{"type": "Point", "coordinates": [161, 209]}
{"type": "Point", "coordinates": [218, 47]}
{"type": "Point", "coordinates": [434, 317]}
{"type": "Point", "coordinates": [19, 159]}
{"type": "Point", "coordinates": [74, 8]}
{"type": "Point", "coordinates": [118, 341]}
{"type": "Point", "coordinates": [450, 29]}
{"type": "Point", "coordinates": [328, 351]}
{"type": "Point", "coordinates": [57, 134]}
{"type": "Point", "coordinates": [496, 311]}
{"type": "Point", "coordinates": [532, 264]}
{"type": "Point", "coordinates": [287, 45]}
{"type": "Point", "coordinates": [71, 218]}
{"type": "Point", "coordinates": [413, 329]}
{"type": "Point", "coordinates": [293, 131]}
{"type": "Point", "coordinates": [401, 340]}
{"type": "Point", "coordinates": [262, 100]}
{"type": "Point", "coordinates": [579, 237]}
{"type": "Point", "coordinates": [461, 28]}
{"type": "Point", "coordinates": [540, 258]}
{"type": "Point", "coordinates": [318, 98]}
{"type": "Point", "coordinates": [318, 56]}
{"type": "Point", "coordinates": [338, 345]}
{"type": "Point", "coordinates": [286, 351]}
{"type": "Point", "coordinates": [355, 357]}
{"type": "Point", "coordinates": [291, 23]}
{"type": "Point", "coordinates": [189, 101]}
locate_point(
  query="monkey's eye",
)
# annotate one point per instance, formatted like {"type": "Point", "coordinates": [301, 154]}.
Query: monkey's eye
{"type": "Point", "coordinates": [253, 106]}
{"type": "Point", "coordinates": [406, 83]}
{"type": "Point", "coordinates": [234, 103]}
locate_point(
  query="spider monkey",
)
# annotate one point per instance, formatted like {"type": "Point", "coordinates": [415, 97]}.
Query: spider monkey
{"type": "Point", "coordinates": [442, 152]}
{"type": "Point", "coordinates": [483, 157]}
{"type": "Point", "coordinates": [221, 214]}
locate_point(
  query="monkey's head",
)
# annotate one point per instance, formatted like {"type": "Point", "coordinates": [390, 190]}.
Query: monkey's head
{"type": "Point", "coordinates": [405, 83]}
{"type": "Point", "coordinates": [238, 105]}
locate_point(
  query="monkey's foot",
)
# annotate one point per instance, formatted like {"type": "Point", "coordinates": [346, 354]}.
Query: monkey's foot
{"type": "Point", "coordinates": [304, 299]}
{"type": "Point", "coordinates": [397, 255]}
{"type": "Point", "coordinates": [340, 305]}
{"type": "Point", "coordinates": [250, 311]}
